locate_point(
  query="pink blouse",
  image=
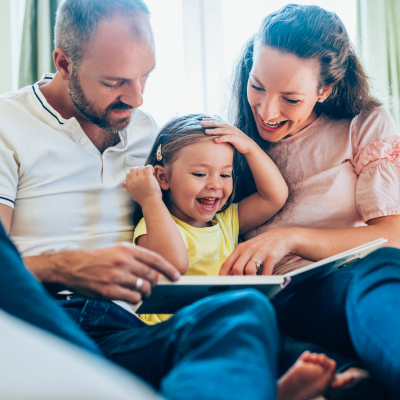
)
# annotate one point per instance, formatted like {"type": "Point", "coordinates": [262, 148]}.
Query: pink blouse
{"type": "Point", "coordinates": [341, 173]}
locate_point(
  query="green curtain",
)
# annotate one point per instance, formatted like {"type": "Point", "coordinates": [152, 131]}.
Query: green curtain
{"type": "Point", "coordinates": [37, 40]}
{"type": "Point", "coordinates": [378, 25]}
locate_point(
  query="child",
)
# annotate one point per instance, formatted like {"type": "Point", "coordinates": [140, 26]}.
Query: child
{"type": "Point", "coordinates": [190, 178]}
{"type": "Point", "coordinates": [184, 212]}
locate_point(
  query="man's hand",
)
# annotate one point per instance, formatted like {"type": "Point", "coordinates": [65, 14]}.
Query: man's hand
{"type": "Point", "coordinates": [142, 184]}
{"type": "Point", "coordinates": [108, 273]}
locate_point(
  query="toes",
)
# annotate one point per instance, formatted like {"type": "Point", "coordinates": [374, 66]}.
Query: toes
{"type": "Point", "coordinates": [310, 357]}
{"type": "Point", "coordinates": [331, 364]}
{"type": "Point", "coordinates": [336, 381]}
{"type": "Point", "coordinates": [305, 355]}
{"type": "Point", "coordinates": [326, 362]}
{"type": "Point", "coordinates": [343, 380]}
{"type": "Point", "coordinates": [322, 359]}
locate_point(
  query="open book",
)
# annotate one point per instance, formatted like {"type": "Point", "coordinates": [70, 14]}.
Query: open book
{"type": "Point", "coordinates": [168, 297]}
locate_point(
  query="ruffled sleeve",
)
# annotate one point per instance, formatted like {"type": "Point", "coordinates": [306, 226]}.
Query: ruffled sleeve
{"type": "Point", "coordinates": [377, 163]}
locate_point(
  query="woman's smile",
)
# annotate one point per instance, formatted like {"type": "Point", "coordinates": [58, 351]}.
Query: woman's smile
{"type": "Point", "coordinates": [282, 91]}
{"type": "Point", "coordinates": [272, 126]}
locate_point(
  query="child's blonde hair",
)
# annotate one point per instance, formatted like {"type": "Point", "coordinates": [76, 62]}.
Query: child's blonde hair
{"type": "Point", "coordinates": [176, 134]}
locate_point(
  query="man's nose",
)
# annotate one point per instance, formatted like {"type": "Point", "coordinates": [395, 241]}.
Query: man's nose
{"type": "Point", "coordinates": [133, 94]}
{"type": "Point", "coordinates": [269, 109]}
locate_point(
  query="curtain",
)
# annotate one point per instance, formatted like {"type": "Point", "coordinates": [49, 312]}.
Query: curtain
{"type": "Point", "coordinates": [378, 25]}
{"type": "Point", "coordinates": [37, 41]}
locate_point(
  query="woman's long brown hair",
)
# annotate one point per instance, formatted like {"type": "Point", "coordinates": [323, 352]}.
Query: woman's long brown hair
{"type": "Point", "coordinates": [309, 32]}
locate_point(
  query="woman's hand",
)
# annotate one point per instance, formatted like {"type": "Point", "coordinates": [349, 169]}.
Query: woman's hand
{"type": "Point", "coordinates": [229, 134]}
{"type": "Point", "coordinates": [142, 184]}
{"type": "Point", "coordinates": [269, 248]}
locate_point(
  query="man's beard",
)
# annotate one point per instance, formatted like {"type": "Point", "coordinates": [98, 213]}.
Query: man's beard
{"type": "Point", "coordinates": [100, 118]}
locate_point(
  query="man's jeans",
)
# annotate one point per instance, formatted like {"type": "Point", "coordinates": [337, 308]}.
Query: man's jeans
{"type": "Point", "coordinates": [24, 297]}
{"type": "Point", "coordinates": [354, 311]}
{"type": "Point", "coordinates": [223, 347]}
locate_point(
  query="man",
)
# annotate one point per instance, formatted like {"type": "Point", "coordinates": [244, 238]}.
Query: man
{"type": "Point", "coordinates": [66, 144]}
{"type": "Point", "coordinates": [39, 364]}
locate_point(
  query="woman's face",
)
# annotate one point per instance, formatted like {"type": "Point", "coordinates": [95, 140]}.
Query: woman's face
{"type": "Point", "coordinates": [282, 92]}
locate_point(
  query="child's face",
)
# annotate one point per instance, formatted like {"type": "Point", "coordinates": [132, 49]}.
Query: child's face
{"type": "Point", "coordinates": [200, 181]}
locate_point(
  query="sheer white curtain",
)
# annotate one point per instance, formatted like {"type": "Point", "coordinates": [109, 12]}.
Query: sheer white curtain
{"type": "Point", "coordinates": [11, 21]}
{"type": "Point", "coordinates": [379, 30]}
{"type": "Point", "coordinates": [197, 42]}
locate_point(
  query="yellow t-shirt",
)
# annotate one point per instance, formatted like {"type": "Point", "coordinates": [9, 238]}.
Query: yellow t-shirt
{"type": "Point", "coordinates": [207, 247]}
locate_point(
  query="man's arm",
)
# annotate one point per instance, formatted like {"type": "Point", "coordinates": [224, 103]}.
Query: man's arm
{"type": "Point", "coordinates": [6, 214]}
{"type": "Point", "coordinates": [105, 273]}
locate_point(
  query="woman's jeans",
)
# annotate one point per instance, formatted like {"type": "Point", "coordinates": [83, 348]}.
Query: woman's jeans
{"type": "Point", "coordinates": [224, 347]}
{"type": "Point", "coordinates": [353, 311]}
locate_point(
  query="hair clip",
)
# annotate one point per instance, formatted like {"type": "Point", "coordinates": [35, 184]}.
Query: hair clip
{"type": "Point", "coordinates": [159, 155]}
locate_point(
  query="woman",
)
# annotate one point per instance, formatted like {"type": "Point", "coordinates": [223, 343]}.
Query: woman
{"type": "Point", "coordinates": [302, 95]}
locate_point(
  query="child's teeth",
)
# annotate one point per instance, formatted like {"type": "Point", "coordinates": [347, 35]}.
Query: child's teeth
{"type": "Point", "coordinates": [208, 199]}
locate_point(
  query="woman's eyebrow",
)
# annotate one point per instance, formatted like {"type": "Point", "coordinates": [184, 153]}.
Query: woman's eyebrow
{"type": "Point", "coordinates": [253, 77]}
{"type": "Point", "coordinates": [289, 93]}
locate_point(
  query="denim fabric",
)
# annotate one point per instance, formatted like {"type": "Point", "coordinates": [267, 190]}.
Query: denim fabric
{"type": "Point", "coordinates": [223, 347]}
{"type": "Point", "coordinates": [24, 297]}
{"type": "Point", "coordinates": [291, 349]}
{"type": "Point", "coordinates": [354, 311]}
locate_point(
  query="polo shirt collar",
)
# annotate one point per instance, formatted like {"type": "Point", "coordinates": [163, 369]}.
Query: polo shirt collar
{"type": "Point", "coordinates": [53, 117]}
{"type": "Point", "coordinates": [50, 114]}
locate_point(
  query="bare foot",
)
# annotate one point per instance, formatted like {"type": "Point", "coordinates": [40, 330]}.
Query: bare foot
{"type": "Point", "coordinates": [346, 380]}
{"type": "Point", "coordinates": [307, 378]}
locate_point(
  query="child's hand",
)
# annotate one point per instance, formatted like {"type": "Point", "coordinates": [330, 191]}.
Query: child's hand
{"type": "Point", "coordinates": [229, 134]}
{"type": "Point", "coordinates": [142, 184]}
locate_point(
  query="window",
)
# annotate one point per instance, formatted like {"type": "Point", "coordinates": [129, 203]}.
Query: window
{"type": "Point", "coordinates": [197, 42]}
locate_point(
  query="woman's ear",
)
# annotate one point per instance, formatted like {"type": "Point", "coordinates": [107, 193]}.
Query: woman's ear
{"type": "Point", "coordinates": [161, 175]}
{"type": "Point", "coordinates": [325, 92]}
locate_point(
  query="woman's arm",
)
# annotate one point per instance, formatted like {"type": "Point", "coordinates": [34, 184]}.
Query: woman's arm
{"type": "Point", "coordinates": [272, 191]}
{"type": "Point", "coordinates": [162, 235]}
{"type": "Point", "coordinates": [316, 244]}
{"type": "Point", "coordinates": [311, 244]}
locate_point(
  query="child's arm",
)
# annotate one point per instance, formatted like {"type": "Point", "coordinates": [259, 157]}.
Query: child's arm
{"type": "Point", "coordinates": [162, 235]}
{"type": "Point", "coordinates": [272, 191]}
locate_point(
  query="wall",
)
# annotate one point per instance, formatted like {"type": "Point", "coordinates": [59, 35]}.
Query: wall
{"type": "Point", "coordinates": [5, 46]}
{"type": "Point", "coordinates": [11, 21]}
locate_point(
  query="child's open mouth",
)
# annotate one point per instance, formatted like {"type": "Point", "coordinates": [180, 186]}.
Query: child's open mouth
{"type": "Point", "coordinates": [208, 203]}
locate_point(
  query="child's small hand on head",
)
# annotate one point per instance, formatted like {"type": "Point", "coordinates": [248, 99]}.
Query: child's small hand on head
{"type": "Point", "coordinates": [229, 134]}
{"type": "Point", "coordinates": [142, 185]}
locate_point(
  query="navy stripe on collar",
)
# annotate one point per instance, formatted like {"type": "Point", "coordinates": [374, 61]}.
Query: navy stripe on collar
{"type": "Point", "coordinates": [55, 116]}
{"type": "Point", "coordinates": [5, 198]}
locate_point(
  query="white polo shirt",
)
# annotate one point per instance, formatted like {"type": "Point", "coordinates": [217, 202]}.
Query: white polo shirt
{"type": "Point", "coordinates": [65, 194]}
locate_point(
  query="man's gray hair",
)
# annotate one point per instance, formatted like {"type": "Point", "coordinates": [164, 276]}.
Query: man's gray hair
{"type": "Point", "coordinates": [78, 20]}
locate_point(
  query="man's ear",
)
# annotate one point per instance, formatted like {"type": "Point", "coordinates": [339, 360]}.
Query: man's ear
{"type": "Point", "coordinates": [161, 175]}
{"type": "Point", "coordinates": [325, 92]}
{"type": "Point", "coordinates": [62, 63]}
